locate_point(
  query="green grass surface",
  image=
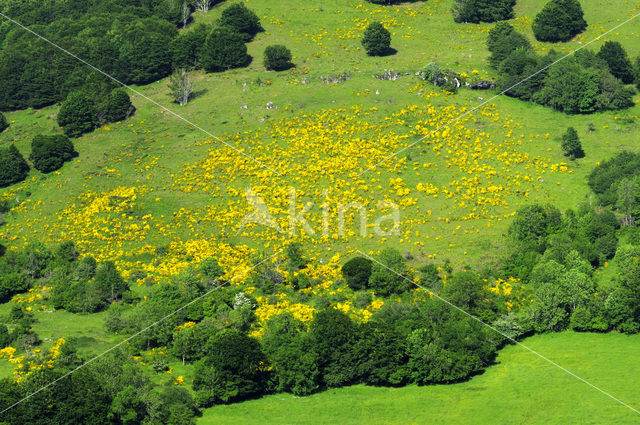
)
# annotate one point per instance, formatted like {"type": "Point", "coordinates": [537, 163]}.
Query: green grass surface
{"type": "Point", "coordinates": [520, 389]}
{"type": "Point", "coordinates": [153, 148]}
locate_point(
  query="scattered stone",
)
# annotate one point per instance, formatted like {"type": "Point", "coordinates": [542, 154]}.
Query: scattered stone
{"type": "Point", "coordinates": [481, 85]}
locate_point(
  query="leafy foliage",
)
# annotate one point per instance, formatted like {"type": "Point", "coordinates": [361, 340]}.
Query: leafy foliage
{"type": "Point", "coordinates": [224, 49]}
{"type": "Point", "coordinates": [277, 58]}
{"type": "Point", "coordinates": [502, 41]}
{"type": "Point", "coordinates": [476, 11]}
{"type": "Point", "coordinates": [118, 106]}
{"type": "Point", "coordinates": [13, 167]}
{"type": "Point", "coordinates": [617, 60]}
{"type": "Point", "coordinates": [580, 84]}
{"type": "Point", "coordinates": [376, 39]}
{"type": "Point", "coordinates": [49, 153]}
{"type": "Point", "coordinates": [357, 272]}
{"type": "Point", "coordinates": [77, 114]}
{"type": "Point", "coordinates": [559, 20]}
{"type": "Point", "coordinates": [242, 20]}
{"type": "Point", "coordinates": [571, 145]}
{"type": "Point", "coordinates": [389, 273]}
{"type": "Point", "coordinates": [605, 178]}
{"type": "Point", "coordinates": [4, 124]}
{"type": "Point", "coordinates": [187, 47]}
{"type": "Point", "coordinates": [232, 369]}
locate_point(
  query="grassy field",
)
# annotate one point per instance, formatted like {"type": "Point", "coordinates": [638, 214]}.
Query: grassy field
{"type": "Point", "coordinates": [185, 191]}
{"type": "Point", "coordinates": [191, 189]}
{"type": "Point", "coordinates": [520, 389]}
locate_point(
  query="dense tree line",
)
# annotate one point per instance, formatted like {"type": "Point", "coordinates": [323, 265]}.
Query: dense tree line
{"type": "Point", "coordinates": [128, 40]}
{"type": "Point", "coordinates": [113, 389]}
{"type": "Point", "coordinates": [77, 285]}
{"type": "Point", "coordinates": [580, 84]}
{"type": "Point", "coordinates": [413, 338]}
{"type": "Point", "coordinates": [616, 184]}
{"type": "Point", "coordinates": [559, 20]}
{"type": "Point", "coordinates": [48, 153]}
{"type": "Point", "coordinates": [476, 11]}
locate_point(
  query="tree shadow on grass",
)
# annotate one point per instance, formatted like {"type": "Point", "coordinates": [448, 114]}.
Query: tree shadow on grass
{"type": "Point", "coordinates": [388, 52]}
{"type": "Point", "coordinates": [197, 93]}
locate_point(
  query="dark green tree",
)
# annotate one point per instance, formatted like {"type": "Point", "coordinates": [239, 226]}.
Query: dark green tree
{"type": "Point", "coordinates": [389, 273]}
{"type": "Point", "coordinates": [559, 20]}
{"type": "Point", "coordinates": [628, 202]}
{"type": "Point", "coordinates": [291, 352]}
{"type": "Point", "coordinates": [277, 58]}
{"type": "Point", "coordinates": [502, 41]}
{"type": "Point", "coordinates": [118, 107]}
{"type": "Point", "coordinates": [618, 62]}
{"type": "Point", "coordinates": [357, 272]}
{"type": "Point", "coordinates": [332, 335]}
{"type": "Point", "coordinates": [233, 369]}
{"type": "Point", "coordinates": [144, 52]}
{"type": "Point", "coordinates": [483, 10]}
{"type": "Point", "coordinates": [295, 256]}
{"type": "Point", "coordinates": [376, 39]}
{"type": "Point", "coordinates": [109, 281]}
{"type": "Point", "coordinates": [4, 124]}
{"type": "Point", "coordinates": [571, 145]}
{"type": "Point", "coordinates": [48, 153]}
{"type": "Point", "coordinates": [570, 88]}
{"type": "Point", "coordinates": [224, 49]}
{"type": "Point", "coordinates": [534, 223]}
{"type": "Point", "coordinates": [13, 167]}
{"type": "Point", "coordinates": [381, 355]}
{"type": "Point", "coordinates": [243, 20]}
{"type": "Point", "coordinates": [187, 47]}
{"type": "Point", "coordinates": [77, 114]}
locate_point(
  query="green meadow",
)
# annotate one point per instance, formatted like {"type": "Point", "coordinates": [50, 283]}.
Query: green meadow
{"type": "Point", "coordinates": [521, 388]}
{"type": "Point", "coordinates": [154, 147]}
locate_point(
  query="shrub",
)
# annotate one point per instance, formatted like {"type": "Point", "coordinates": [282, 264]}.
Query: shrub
{"type": "Point", "coordinates": [533, 223]}
{"type": "Point", "coordinates": [12, 283]}
{"type": "Point", "coordinates": [77, 114]}
{"type": "Point", "coordinates": [447, 79]}
{"type": "Point", "coordinates": [4, 124]}
{"type": "Point", "coordinates": [145, 56]}
{"type": "Point", "coordinates": [224, 49]}
{"type": "Point", "coordinates": [559, 20]}
{"type": "Point", "coordinates": [118, 106]}
{"type": "Point", "coordinates": [244, 21]}
{"type": "Point", "coordinates": [233, 369]}
{"type": "Point", "coordinates": [483, 10]}
{"type": "Point", "coordinates": [176, 12]}
{"type": "Point", "coordinates": [570, 88]}
{"type": "Point", "coordinates": [523, 73]}
{"type": "Point", "coordinates": [187, 47]}
{"type": "Point", "coordinates": [571, 145]}
{"type": "Point", "coordinates": [48, 153]}
{"type": "Point", "coordinates": [13, 167]}
{"type": "Point", "coordinates": [376, 39]}
{"type": "Point", "coordinates": [502, 41]}
{"type": "Point", "coordinates": [388, 274]}
{"type": "Point", "coordinates": [109, 282]}
{"type": "Point", "coordinates": [357, 272]}
{"type": "Point", "coordinates": [617, 60]}
{"type": "Point", "coordinates": [277, 58]}
{"type": "Point", "coordinates": [604, 179]}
